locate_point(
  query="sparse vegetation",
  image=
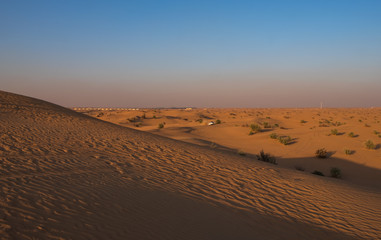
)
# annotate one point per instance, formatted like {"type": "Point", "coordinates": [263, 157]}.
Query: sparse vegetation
{"type": "Point", "coordinates": [273, 136]}
{"type": "Point", "coordinates": [334, 131]}
{"type": "Point", "coordinates": [376, 132]}
{"type": "Point", "coordinates": [351, 134]}
{"type": "Point", "coordinates": [276, 125]}
{"type": "Point", "coordinates": [266, 157]}
{"type": "Point", "coordinates": [366, 125]}
{"type": "Point", "coordinates": [255, 128]}
{"type": "Point", "coordinates": [318, 173]}
{"type": "Point", "coordinates": [218, 121]}
{"type": "Point", "coordinates": [370, 145]}
{"type": "Point", "coordinates": [321, 153]}
{"type": "Point", "coordinates": [161, 125]}
{"type": "Point", "coordinates": [303, 121]}
{"type": "Point", "coordinates": [335, 172]}
{"type": "Point", "coordinates": [199, 120]}
{"type": "Point", "coordinates": [266, 125]}
{"type": "Point", "coordinates": [348, 151]}
{"type": "Point", "coordinates": [285, 140]}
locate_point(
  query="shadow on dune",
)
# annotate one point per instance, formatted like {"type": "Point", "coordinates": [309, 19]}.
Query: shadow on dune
{"type": "Point", "coordinates": [351, 172]}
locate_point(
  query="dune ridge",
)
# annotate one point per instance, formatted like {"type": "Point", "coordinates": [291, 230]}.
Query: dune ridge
{"type": "Point", "coordinates": [65, 175]}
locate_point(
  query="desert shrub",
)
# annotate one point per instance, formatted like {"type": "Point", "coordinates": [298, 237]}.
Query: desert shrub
{"type": "Point", "coordinates": [154, 116]}
{"type": "Point", "coordinates": [376, 132]}
{"type": "Point", "coordinates": [266, 125]}
{"type": "Point", "coordinates": [366, 125]}
{"type": "Point", "coordinates": [348, 151]}
{"type": "Point", "coordinates": [255, 128]}
{"type": "Point", "coordinates": [334, 132]}
{"type": "Point", "coordinates": [251, 133]}
{"type": "Point", "coordinates": [268, 117]}
{"type": "Point", "coordinates": [360, 120]}
{"type": "Point", "coordinates": [370, 145]}
{"type": "Point", "coordinates": [161, 125]}
{"type": "Point", "coordinates": [303, 121]}
{"type": "Point", "coordinates": [266, 157]}
{"type": "Point", "coordinates": [199, 120]}
{"type": "Point", "coordinates": [318, 173]}
{"type": "Point", "coordinates": [285, 140]}
{"type": "Point", "coordinates": [273, 136]}
{"type": "Point", "coordinates": [276, 125]}
{"type": "Point", "coordinates": [144, 116]}
{"type": "Point", "coordinates": [335, 172]}
{"type": "Point", "coordinates": [321, 153]}
{"type": "Point", "coordinates": [218, 121]}
{"type": "Point", "coordinates": [351, 134]}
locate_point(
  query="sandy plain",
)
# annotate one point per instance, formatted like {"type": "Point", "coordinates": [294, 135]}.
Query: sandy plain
{"type": "Point", "coordinates": [67, 175]}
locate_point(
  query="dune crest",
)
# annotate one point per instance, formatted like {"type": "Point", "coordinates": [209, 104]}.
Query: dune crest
{"type": "Point", "coordinates": [66, 175]}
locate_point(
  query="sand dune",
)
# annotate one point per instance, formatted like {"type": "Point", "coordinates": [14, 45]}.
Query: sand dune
{"type": "Point", "coordinates": [65, 175]}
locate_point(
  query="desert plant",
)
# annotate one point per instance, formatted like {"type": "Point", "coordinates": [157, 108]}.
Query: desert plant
{"type": "Point", "coordinates": [285, 140]}
{"type": "Point", "coordinates": [303, 121]}
{"type": "Point", "coordinates": [370, 145]}
{"type": "Point", "coordinates": [334, 132]}
{"type": "Point", "coordinates": [321, 153]}
{"type": "Point", "coordinates": [366, 125]}
{"type": "Point", "coordinates": [266, 125]}
{"type": "Point", "coordinates": [266, 157]}
{"type": "Point", "coordinates": [335, 172]}
{"type": "Point", "coordinates": [318, 173]}
{"type": "Point", "coordinates": [255, 128]}
{"type": "Point", "coordinates": [348, 151]}
{"type": "Point", "coordinates": [273, 136]}
{"type": "Point", "coordinates": [276, 125]}
{"type": "Point", "coordinates": [161, 125]}
{"type": "Point", "coordinates": [351, 134]}
{"type": "Point", "coordinates": [218, 121]}
{"type": "Point", "coordinates": [376, 132]}
{"type": "Point", "coordinates": [199, 120]}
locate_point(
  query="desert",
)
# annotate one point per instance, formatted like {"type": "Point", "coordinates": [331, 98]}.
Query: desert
{"type": "Point", "coordinates": [66, 175]}
{"type": "Point", "coordinates": [190, 120]}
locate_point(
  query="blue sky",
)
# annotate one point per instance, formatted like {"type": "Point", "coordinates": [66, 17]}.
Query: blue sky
{"type": "Point", "coordinates": [193, 53]}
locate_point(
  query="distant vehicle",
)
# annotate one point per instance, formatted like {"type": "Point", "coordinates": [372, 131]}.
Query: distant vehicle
{"type": "Point", "coordinates": [211, 123]}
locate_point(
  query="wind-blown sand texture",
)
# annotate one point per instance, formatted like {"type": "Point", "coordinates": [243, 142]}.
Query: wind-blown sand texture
{"type": "Point", "coordinates": [65, 175]}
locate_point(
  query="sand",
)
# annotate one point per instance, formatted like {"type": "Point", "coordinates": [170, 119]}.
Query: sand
{"type": "Point", "coordinates": [66, 175]}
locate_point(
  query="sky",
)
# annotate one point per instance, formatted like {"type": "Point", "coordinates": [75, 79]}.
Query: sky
{"type": "Point", "coordinates": [141, 53]}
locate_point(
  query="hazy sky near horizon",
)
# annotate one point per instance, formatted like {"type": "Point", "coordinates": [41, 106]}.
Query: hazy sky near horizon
{"type": "Point", "coordinates": [140, 53]}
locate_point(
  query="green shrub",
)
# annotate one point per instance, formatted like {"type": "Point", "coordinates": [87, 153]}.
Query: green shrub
{"type": "Point", "coordinates": [251, 132]}
{"type": "Point", "coordinates": [321, 153]}
{"type": "Point", "coordinates": [218, 121]}
{"type": "Point", "coordinates": [255, 128]}
{"type": "Point", "coordinates": [376, 132]}
{"type": "Point", "coordinates": [348, 152]}
{"type": "Point", "coordinates": [318, 173]}
{"type": "Point", "coordinates": [335, 172]}
{"type": "Point", "coordinates": [161, 125]}
{"type": "Point", "coordinates": [199, 120]}
{"type": "Point", "coordinates": [370, 145]}
{"type": "Point", "coordinates": [351, 134]}
{"type": "Point", "coordinates": [276, 125]}
{"type": "Point", "coordinates": [273, 136]}
{"type": "Point", "coordinates": [334, 132]}
{"type": "Point", "coordinates": [285, 140]}
{"type": "Point", "coordinates": [303, 121]}
{"type": "Point", "coordinates": [266, 157]}
{"type": "Point", "coordinates": [266, 125]}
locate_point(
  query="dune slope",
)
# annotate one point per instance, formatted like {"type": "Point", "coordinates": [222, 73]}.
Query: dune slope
{"type": "Point", "coordinates": [65, 175]}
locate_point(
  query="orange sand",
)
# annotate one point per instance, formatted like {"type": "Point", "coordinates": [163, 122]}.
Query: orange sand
{"type": "Point", "coordinates": [65, 175]}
